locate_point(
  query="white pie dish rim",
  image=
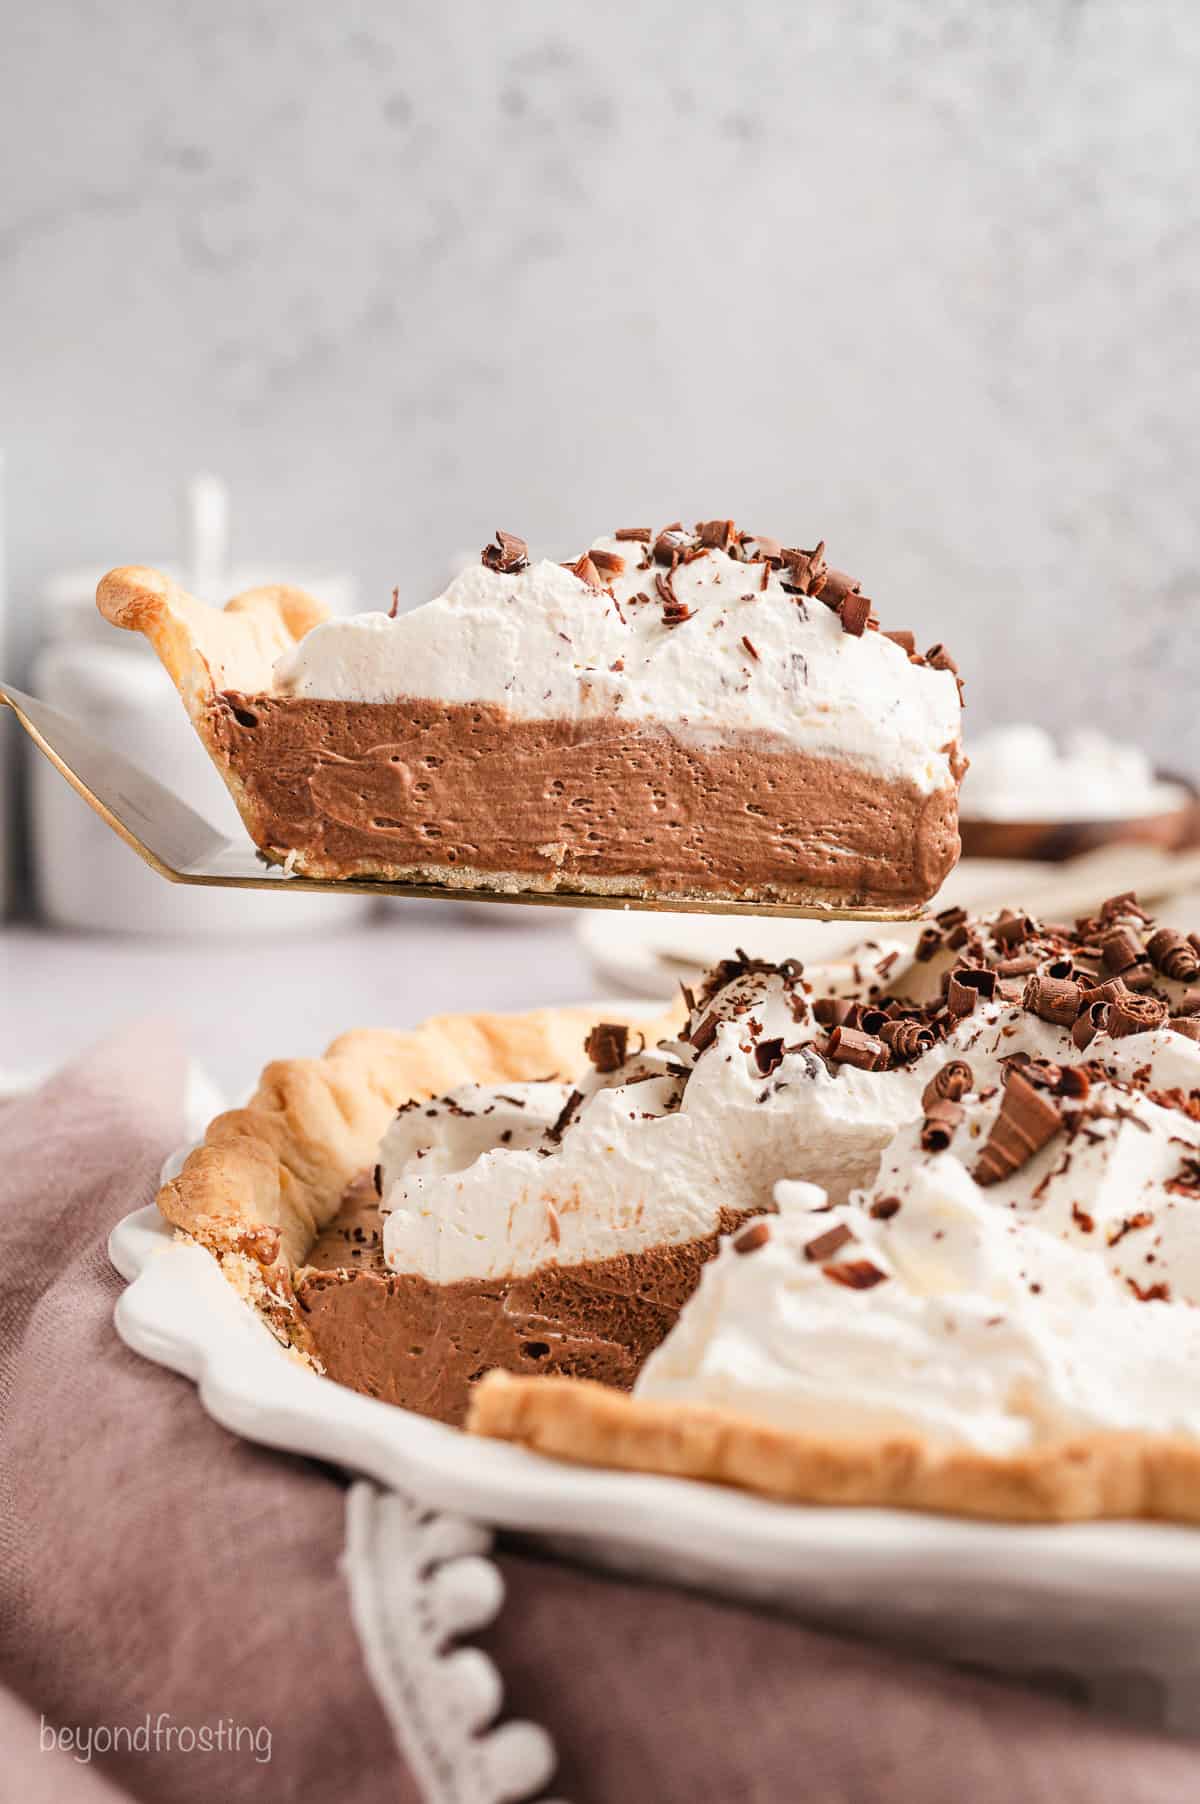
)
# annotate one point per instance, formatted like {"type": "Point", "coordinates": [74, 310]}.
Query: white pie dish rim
{"type": "Point", "coordinates": [1107, 1603]}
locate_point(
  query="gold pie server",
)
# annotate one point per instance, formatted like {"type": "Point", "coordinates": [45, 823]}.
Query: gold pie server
{"type": "Point", "coordinates": [183, 847]}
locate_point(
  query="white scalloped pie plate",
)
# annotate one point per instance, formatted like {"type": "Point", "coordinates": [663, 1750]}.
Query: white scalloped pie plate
{"type": "Point", "coordinates": [1113, 1605]}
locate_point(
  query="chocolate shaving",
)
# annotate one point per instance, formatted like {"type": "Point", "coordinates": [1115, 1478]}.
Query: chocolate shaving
{"type": "Point", "coordinates": [836, 587]}
{"type": "Point", "coordinates": [885, 1208]}
{"type": "Point", "coordinates": [508, 555]}
{"type": "Point", "coordinates": [768, 1055]}
{"type": "Point", "coordinates": [751, 1238]}
{"type": "Point", "coordinates": [942, 1117]}
{"type": "Point", "coordinates": [1187, 1025]}
{"type": "Point", "coordinates": [907, 1039]}
{"type": "Point", "coordinates": [642, 533]}
{"type": "Point", "coordinates": [965, 984]}
{"type": "Point", "coordinates": [607, 1044]}
{"type": "Point", "coordinates": [904, 639]}
{"type": "Point", "coordinates": [1027, 1121]}
{"type": "Point", "coordinates": [585, 569]}
{"type": "Point", "coordinates": [1174, 955]}
{"type": "Point", "coordinates": [848, 1046]}
{"type": "Point", "coordinates": [671, 543]}
{"type": "Point", "coordinates": [1054, 999]}
{"type": "Point", "coordinates": [1121, 950]}
{"type": "Point", "coordinates": [749, 644]}
{"type": "Point", "coordinates": [565, 1116]}
{"type": "Point", "coordinates": [719, 534]}
{"type": "Point", "coordinates": [855, 1274]}
{"type": "Point", "coordinates": [377, 1180]}
{"type": "Point", "coordinates": [950, 1084]}
{"type": "Point", "coordinates": [766, 549]}
{"type": "Point", "coordinates": [608, 563]}
{"type": "Point", "coordinates": [1012, 930]}
{"type": "Point", "coordinates": [807, 569]}
{"type": "Point", "coordinates": [825, 1245]}
{"type": "Point", "coordinates": [395, 607]}
{"type": "Point", "coordinates": [855, 612]}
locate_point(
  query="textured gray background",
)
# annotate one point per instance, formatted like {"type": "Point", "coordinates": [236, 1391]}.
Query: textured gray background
{"type": "Point", "coordinates": [917, 277]}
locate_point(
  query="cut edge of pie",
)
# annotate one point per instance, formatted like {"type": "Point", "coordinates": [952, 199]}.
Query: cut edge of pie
{"type": "Point", "coordinates": [1085, 1477]}
{"type": "Point", "coordinates": [269, 1177]}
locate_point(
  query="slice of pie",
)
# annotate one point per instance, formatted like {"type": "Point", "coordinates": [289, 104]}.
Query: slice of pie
{"type": "Point", "coordinates": [680, 714]}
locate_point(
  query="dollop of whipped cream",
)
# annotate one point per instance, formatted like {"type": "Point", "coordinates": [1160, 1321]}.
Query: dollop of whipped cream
{"type": "Point", "coordinates": [1018, 774]}
{"type": "Point", "coordinates": [707, 639]}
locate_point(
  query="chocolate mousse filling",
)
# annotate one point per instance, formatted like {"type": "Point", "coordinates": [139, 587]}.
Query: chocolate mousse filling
{"type": "Point", "coordinates": [464, 793]}
{"type": "Point", "coordinates": [423, 1346]}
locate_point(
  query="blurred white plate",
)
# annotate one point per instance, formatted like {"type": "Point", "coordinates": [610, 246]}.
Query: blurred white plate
{"type": "Point", "coordinates": [653, 953]}
{"type": "Point", "coordinates": [1110, 1606]}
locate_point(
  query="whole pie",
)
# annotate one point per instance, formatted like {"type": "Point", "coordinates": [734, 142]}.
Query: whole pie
{"type": "Point", "coordinates": [921, 1233]}
{"type": "Point", "coordinates": [681, 713]}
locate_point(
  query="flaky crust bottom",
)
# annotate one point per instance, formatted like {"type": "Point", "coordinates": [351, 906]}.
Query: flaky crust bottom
{"type": "Point", "coordinates": [1086, 1477]}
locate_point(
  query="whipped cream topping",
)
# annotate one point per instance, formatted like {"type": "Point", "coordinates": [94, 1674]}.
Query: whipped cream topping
{"type": "Point", "coordinates": [970, 1327]}
{"type": "Point", "coordinates": [987, 1163]}
{"type": "Point", "coordinates": [1018, 774]}
{"type": "Point", "coordinates": [647, 1155]}
{"type": "Point", "coordinates": [710, 645]}
{"type": "Point", "coordinates": [985, 1300]}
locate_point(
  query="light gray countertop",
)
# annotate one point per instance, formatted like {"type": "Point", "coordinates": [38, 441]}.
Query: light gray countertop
{"type": "Point", "coordinates": [241, 1002]}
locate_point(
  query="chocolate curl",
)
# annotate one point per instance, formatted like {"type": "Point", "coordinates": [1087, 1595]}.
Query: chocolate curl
{"type": "Point", "coordinates": [849, 1046]}
{"type": "Point", "coordinates": [1121, 950]}
{"type": "Point", "coordinates": [644, 534]}
{"type": "Point", "coordinates": [941, 1120]}
{"type": "Point", "coordinates": [1074, 1083]}
{"type": "Point", "coordinates": [508, 555]}
{"type": "Point", "coordinates": [608, 563]}
{"type": "Point", "coordinates": [1027, 1121]}
{"type": "Point", "coordinates": [832, 1011]}
{"type": "Point", "coordinates": [671, 543]}
{"type": "Point", "coordinates": [1012, 930]}
{"type": "Point", "coordinates": [751, 1238]}
{"type": "Point", "coordinates": [1093, 1021]}
{"type": "Point", "coordinates": [907, 1039]}
{"type": "Point", "coordinates": [966, 985]}
{"type": "Point", "coordinates": [1054, 999]}
{"type": "Point", "coordinates": [855, 1274]}
{"type": "Point", "coordinates": [1021, 966]}
{"type": "Point", "coordinates": [825, 1245]}
{"type": "Point", "coordinates": [1174, 955]}
{"type": "Point", "coordinates": [950, 1084]}
{"type": "Point", "coordinates": [606, 1045]}
{"type": "Point", "coordinates": [855, 612]}
{"type": "Point", "coordinates": [903, 638]}
{"type": "Point", "coordinates": [1187, 1025]}
{"type": "Point", "coordinates": [719, 534]}
{"type": "Point", "coordinates": [836, 587]}
{"type": "Point", "coordinates": [1112, 991]}
{"type": "Point", "coordinates": [808, 570]}
{"type": "Point", "coordinates": [1136, 1015]}
{"type": "Point", "coordinates": [1189, 1003]}
{"type": "Point", "coordinates": [586, 571]}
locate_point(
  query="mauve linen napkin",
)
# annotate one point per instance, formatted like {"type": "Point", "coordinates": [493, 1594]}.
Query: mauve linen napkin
{"type": "Point", "coordinates": [152, 1563]}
